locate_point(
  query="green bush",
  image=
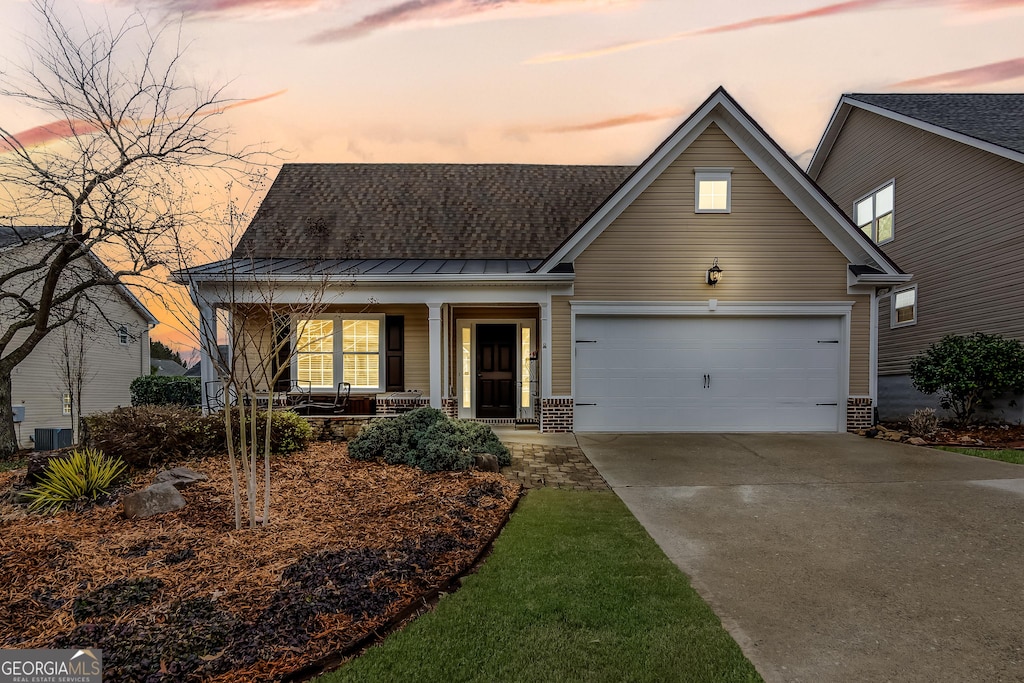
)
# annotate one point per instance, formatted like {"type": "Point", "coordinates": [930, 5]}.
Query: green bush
{"type": "Point", "coordinates": [84, 473]}
{"type": "Point", "coordinates": [968, 371]}
{"type": "Point", "coordinates": [151, 390]}
{"type": "Point", "coordinates": [426, 439]}
{"type": "Point", "coordinates": [289, 432]}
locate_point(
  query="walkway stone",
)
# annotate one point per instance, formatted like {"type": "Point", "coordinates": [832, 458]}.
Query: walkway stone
{"type": "Point", "coordinates": [538, 462]}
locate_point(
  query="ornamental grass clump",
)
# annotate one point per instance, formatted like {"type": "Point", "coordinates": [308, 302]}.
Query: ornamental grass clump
{"type": "Point", "coordinates": [84, 474]}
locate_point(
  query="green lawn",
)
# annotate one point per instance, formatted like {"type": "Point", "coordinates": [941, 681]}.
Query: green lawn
{"type": "Point", "coordinates": [1015, 457]}
{"type": "Point", "coordinates": [575, 590]}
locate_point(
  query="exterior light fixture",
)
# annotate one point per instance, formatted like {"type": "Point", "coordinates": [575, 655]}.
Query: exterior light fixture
{"type": "Point", "coordinates": [714, 273]}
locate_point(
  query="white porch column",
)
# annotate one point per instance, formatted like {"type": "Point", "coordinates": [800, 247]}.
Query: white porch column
{"type": "Point", "coordinates": [207, 348]}
{"type": "Point", "coordinates": [545, 335]}
{"type": "Point", "coordinates": [436, 346]}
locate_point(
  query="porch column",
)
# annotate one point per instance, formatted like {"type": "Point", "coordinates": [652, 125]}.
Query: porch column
{"type": "Point", "coordinates": [434, 334]}
{"type": "Point", "coordinates": [207, 348]}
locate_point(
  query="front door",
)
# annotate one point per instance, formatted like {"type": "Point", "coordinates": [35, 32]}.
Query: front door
{"type": "Point", "coordinates": [496, 370]}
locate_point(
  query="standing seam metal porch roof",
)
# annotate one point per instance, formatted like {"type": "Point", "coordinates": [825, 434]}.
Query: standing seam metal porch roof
{"type": "Point", "coordinates": [425, 211]}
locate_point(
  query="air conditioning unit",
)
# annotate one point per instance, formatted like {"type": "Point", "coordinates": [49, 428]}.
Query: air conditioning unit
{"type": "Point", "coordinates": [52, 438]}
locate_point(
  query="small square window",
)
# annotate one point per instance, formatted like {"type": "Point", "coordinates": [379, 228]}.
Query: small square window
{"type": "Point", "coordinates": [713, 190]}
{"type": "Point", "coordinates": [904, 307]}
{"type": "Point", "coordinates": [65, 401]}
{"type": "Point", "coordinates": [122, 335]}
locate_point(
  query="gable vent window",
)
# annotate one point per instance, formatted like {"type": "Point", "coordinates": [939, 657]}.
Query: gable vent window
{"type": "Point", "coordinates": [904, 307]}
{"type": "Point", "coordinates": [874, 213]}
{"type": "Point", "coordinates": [713, 190]}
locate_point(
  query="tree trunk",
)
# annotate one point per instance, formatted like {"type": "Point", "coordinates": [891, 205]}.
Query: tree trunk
{"type": "Point", "coordinates": [8, 437]}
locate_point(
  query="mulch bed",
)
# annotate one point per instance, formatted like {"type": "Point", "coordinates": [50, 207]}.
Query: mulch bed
{"type": "Point", "coordinates": [183, 596]}
{"type": "Point", "coordinates": [998, 436]}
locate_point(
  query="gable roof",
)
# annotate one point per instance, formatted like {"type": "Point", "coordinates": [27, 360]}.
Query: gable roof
{"type": "Point", "coordinates": [991, 122]}
{"type": "Point", "coordinates": [424, 211]}
{"type": "Point", "coordinates": [721, 109]}
{"type": "Point", "coordinates": [12, 237]}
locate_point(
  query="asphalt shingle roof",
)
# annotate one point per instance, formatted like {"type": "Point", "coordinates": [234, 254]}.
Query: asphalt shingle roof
{"type": "Point", "coordinates": [24, 233]}
{"type": "Point", "coordinates": [993, 118]}
{"type": "Point", "coordinates": [425, 211]}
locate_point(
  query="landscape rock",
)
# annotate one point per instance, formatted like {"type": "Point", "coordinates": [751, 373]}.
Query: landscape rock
{"type": "Point", "coordinates": [179, 477]}
{"type": "Point", "coordinates": [155, 500]}
{"type": "Point", "coordinates": [872, 433]}
{"type": "Point", "coordinates": [486, 462]}
{"type": "Point", "coordinates": [916, 441]}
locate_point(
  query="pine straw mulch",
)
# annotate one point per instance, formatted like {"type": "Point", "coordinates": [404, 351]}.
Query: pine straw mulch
{"type": "Point", "coordinates": [183, 596]}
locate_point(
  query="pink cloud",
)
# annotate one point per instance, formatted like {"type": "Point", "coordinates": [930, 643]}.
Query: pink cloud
{"type": "Point", "coordinates": [966, 78]}
{"type": "Point", "coordinates": [615, 121]}
{"type": "Point", "coordinates": [239, 7]}
{"type": "Point", "coordinates": [70, 128]}
{"type": "Point", "coordinates": [416, 10]}
{"type": "Point", "coordinates": [839, 8]}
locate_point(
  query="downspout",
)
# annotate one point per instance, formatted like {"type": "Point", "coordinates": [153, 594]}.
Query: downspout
{"type": "Point", "coordinates": [873, 353]}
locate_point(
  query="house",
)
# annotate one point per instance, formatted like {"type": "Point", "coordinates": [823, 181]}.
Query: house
{"type": "Point", "coordinates": [102, 351]}
{"type": "Point", "coordinates": [167, 368]}
{"type": "Point", "coordinates": [937, 180]}
{"type": "Point", "coordinates": [714, 287]}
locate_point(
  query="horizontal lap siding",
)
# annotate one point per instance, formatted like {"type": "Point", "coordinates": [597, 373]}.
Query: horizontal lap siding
{"type": "Point", "coordinates": [561, 346]}
{"type": "Point", "coordinates": [958, 222]}
{"type": "Point", "coordinates": [658, 249]}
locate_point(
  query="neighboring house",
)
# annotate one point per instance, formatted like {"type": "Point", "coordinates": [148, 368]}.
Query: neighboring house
{"type": "Point", "coordinates": [577, 296]}
{"type": "Point", "coordinates": [167, 368]}
{"type": "Point", "coordinates": [938, 180]}
{"type": "Point", "coordinates": [107, 350]}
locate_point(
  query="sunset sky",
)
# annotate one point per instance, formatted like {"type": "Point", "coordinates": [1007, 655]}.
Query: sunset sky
{"type": "Point", "coordinates": [557, 81]}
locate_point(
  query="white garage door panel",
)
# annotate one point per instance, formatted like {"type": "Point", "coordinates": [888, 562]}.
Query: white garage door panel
{"type": "Point", "coordinates": [647, 374]}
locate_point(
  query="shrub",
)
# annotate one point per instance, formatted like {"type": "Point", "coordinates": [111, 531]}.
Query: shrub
{"type": "Point", "coordinates": [146, 435]}
{"type": "Point", "coordinates": [426, 439]}
{"type": "Point", "coordinates": [967, 371]}
{"type": "Point", "coordinates": [151, 390]}
{"type": "Point", "coordinates": [149, 435]}
{"type": "Point", "coordinates": [84, 473]}
{"type": "Point", "coordinates": [924, 422]}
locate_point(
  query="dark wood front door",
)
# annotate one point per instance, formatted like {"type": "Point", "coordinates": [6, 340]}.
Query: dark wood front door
{"type": "Point", "coordinates": [496, 370]}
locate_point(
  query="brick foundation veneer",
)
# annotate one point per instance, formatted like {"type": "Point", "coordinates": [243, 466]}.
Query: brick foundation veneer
{"type": "Point", "coordinates": [556, 414]}
{"type": "Point", "coordinates": [450, 406]}
{"type": "Point", "coordinates": [860, 414]}
{"type": "Point", "coordinates": [393, 405]}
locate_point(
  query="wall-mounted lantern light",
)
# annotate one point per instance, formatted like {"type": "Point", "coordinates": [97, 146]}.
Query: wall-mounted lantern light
{"type": "Point", "coordinates": [714, 273]}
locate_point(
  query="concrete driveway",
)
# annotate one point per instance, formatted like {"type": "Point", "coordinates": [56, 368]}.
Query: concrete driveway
{"type": "Point", "coordinates": [830, 557]}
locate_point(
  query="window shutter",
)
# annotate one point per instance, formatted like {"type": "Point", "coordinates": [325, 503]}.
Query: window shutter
{"type": "Point", "coordinates": [283, 357]}
{"type": "Point", "coordinates": [394, 350]}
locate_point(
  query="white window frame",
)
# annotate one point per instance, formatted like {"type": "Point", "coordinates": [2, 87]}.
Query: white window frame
{"type": "Point", "coordinates": [123, 336]}
{"type": "Point", "coordinates": [874, 212]}
{"type": "Point", "coordinates": [893, 324]}
{"type": "Point", "coordinates": [712, 174]}
{"type": "Point", "coordinates": [339, 350]}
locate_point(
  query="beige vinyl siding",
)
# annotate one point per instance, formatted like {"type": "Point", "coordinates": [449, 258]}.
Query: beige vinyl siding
{"type": "Point", "coordinates": [958, 223]}
{"type": "Point", "coordinates": [659, 249]}
{"type": "Point", "coordinates": [109, 369]}
{"type": "Point", "coordinates": [561, 346]}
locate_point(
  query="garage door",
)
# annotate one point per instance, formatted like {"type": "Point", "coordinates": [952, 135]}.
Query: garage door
{"type": "Point", "coordinates": [707, 374]}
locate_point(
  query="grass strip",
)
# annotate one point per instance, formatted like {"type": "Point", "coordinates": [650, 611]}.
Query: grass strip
{"type": "Point", "coordinates": [575, 590]}
{"type": "Point", "coordinates": [1005, 455]}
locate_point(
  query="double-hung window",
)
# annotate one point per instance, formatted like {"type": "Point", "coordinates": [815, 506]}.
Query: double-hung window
{"type": "Point", "coordinates": [340, 348]}
{"type": "Point", "coordinates": [904, 307]}
{"type": "Point", "coordinates": [874, 213]}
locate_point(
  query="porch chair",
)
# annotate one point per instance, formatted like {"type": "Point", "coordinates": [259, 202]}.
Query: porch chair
{"type": "Point", "coordinates": [314, 407]}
